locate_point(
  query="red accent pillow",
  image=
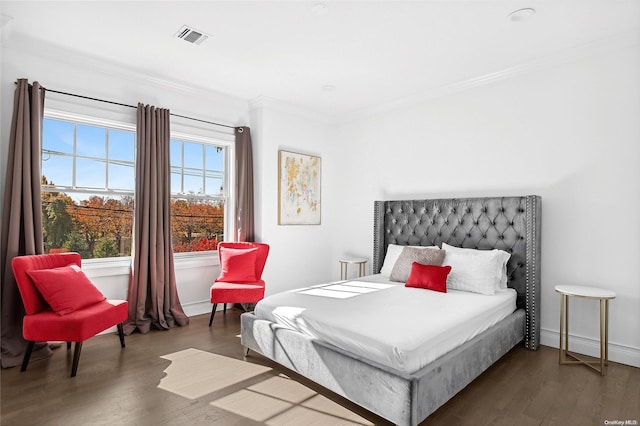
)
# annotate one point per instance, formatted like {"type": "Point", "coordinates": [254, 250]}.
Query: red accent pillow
{"type": "Point", "coordinates": [66, 289]}
{"type": "Point", "coordinates": [238, 265]}
{"type": "Point", "coordinates": [431, 277]}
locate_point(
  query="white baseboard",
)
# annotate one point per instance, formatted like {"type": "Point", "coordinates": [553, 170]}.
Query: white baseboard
{"type": "Point", "coordinates": [587, 346]}
{"type": "Point", "coordinates": [191, 309]}
{"type": "Point", "coordinates": [198, 308]}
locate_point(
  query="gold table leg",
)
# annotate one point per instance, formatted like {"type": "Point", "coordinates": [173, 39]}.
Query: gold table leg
{"type": "Point", "coordinates": [562, 322]}
{"type": "Point", "coordinates": [564, 336]}
{"type": "Point", "coordinates": [606, 332]}
{"type": "Point", "coordinates": [602, 338]}
{"type": "Point", "coordinates": [566, 323]}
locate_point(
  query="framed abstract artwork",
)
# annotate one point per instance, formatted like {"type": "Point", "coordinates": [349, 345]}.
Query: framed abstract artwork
{"type": "Point", "coordinates": [298, 189]}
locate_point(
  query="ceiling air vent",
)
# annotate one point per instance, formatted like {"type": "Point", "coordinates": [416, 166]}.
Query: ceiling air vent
{"type": "Point", "coordinates": [192, 36]}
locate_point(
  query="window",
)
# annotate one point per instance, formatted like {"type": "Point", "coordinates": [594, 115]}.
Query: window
{"type": "Point", "coordinates": [88, 182]}
{"type": "Point", "coordinates": [197, 194]}
{"type": "Point", "coordinates": [87, 188]}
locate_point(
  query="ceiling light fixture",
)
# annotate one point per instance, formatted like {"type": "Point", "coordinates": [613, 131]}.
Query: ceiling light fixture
{"type": "Point", "coordinates": [328, 88]}
{"type": "Point", "coordinates": [319, 9]}
{"type": "Point", "coordinates": [521, 14]}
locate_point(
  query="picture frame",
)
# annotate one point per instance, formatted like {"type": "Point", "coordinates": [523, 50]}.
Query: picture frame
{"type": "Point", "coordinates": [299, 188]}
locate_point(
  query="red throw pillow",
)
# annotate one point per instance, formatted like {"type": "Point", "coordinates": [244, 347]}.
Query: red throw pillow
{"type": "Point", "coordinates": [66, 289]}
{"type": "Point", "coordinates": [238, 265]}
{"type": "Point", "coordinates": [431, 277]}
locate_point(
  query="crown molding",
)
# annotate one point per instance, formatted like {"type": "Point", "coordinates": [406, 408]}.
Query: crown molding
{"type": "Point", "coordinates": [266, 102]}
{"type": "Point", "coordinates": [113, 69]}
{"type": "Point", "coordinates": [597, 47]}
{"type": "Point", "coordinates": [602, 46]}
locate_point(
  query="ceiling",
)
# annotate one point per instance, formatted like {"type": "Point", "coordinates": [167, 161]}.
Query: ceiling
{"type": "Point", "coordinates": [371, 53]}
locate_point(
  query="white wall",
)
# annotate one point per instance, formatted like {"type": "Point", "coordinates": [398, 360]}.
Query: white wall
{"type": "Point", "coordinates": [569, 132]}
{"type": "Point", "coordinates": [300, 254]}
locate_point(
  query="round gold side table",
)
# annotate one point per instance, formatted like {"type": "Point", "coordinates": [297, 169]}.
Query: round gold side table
{"type": "Point", "coordinates": [344, 263]}
{"type": "Point", "coordinates": [595, 293]}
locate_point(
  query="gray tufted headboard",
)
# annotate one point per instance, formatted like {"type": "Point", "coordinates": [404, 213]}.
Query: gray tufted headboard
{"type": "Point", "coordinates": [507, 223]}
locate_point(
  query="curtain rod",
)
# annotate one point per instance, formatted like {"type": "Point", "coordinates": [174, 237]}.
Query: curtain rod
{"type": "Point", "coordinates": [132, 106]}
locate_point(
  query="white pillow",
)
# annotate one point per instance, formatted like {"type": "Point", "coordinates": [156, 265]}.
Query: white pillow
{"type": "Point", "coordinates": [501, 255]}
{"type": "Point", "coordinates": [393, 253]}
{"type": "Point", "coordinates": [504, 276]}
{"type": "Point", "coordinates": [478, 271]}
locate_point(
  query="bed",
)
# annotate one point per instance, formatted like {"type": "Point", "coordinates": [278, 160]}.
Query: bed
{"type": "Point", "coordinates": [401, 393]}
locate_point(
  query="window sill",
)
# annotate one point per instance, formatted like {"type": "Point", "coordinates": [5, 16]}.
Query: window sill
{"type": "Point", "coordinates": [196, 259]}
{"type": "Point", "coordinates": [107, 267]}
{"type": "Point", "coordinates": [116, 266]}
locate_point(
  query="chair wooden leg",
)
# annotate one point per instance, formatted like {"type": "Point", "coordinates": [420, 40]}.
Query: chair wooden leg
{"type": "Point", "coordinates": [27, 356]}
{"type": "Point", "coordinates": [76, 358]}
{"type": "Point", "coordinates": [121, 334]}
{"type": "Point", "coordinates": [213, 312]}
{"type": "Point", "coordinates": [68, 345]}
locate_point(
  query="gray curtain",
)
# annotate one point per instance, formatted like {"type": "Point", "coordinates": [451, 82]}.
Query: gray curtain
{"type": "Point", "coordinates": [153, 296]}
{"type": "Point", "coordinates": [245, 228]}
{"type": "Point", "coordinates": [21, 214]}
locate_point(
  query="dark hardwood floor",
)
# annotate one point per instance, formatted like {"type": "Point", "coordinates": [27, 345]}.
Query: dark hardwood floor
{"type": "Point", "coordinates": [120, 387]}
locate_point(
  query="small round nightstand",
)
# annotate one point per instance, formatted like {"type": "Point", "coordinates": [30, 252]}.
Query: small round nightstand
{"type": "Point", "coordinates": [588, 293]}
{"type": "Point", "coordinates": [345, 262]}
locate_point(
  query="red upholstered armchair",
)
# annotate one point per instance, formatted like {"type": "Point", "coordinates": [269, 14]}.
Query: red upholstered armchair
{"type": "Point", "coordinates": [240, 280]}
{"type": "Point", "coordinates": [61, 304]}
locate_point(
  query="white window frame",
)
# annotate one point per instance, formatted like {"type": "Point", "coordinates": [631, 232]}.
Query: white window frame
{"type": "Point", "coordinates": [114, 266]}
{"type": "Point", "coordinates": [228, 179]}
{"type": "Point", "coordinates": [78, 119]}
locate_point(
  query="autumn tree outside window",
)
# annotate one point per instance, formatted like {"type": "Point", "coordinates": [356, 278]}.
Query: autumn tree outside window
{"type": "Point", "coordinates": [88, 172]}
{"type": "Point", "coordinates": [197, 194]}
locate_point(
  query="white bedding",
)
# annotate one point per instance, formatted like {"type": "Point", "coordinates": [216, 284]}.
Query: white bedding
{"type": "Point", "coordinates": [377, 319]}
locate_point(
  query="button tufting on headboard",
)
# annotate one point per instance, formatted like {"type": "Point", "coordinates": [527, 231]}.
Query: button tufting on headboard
{"type": "Point", "coordinates": [506, 223]}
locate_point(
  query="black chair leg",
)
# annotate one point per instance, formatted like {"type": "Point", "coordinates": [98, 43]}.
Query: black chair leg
{"type": "Point", "coordinates": [224, 310]}
{"type": "Point", "coordinates": [76, 358]}
{"type": "Point", "coordinates": [68, 345]}
{"type": "Point", "coordinates": [27, 355]}
{"type": "Point", "coordinates": [213, 312]}
{"type": "Point", "coordinates": [121, 334]}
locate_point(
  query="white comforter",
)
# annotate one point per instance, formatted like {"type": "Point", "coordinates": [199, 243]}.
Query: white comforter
{"type": "Point", "coordinates": [383, 321]}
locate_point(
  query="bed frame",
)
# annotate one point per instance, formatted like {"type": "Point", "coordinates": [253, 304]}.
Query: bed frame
{"type": "Point", "coordinates": [506, 223]}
